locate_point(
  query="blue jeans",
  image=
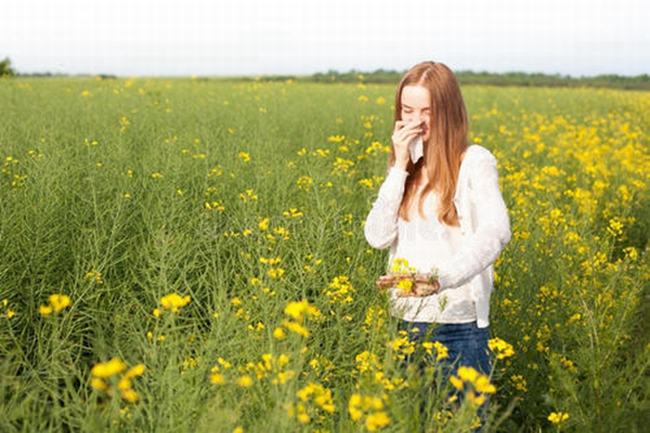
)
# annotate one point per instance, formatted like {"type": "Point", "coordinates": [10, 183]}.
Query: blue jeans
{"type": "Point", "coordinates": [467, 345]}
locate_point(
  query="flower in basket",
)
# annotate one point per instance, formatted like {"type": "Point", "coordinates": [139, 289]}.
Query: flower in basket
{"type": "Point", "coordinates": [407, 276]}
{"type": "Point", "coordinates": [404, 273]}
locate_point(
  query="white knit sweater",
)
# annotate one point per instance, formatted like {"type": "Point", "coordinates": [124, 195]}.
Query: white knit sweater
{"type": "Point", "coordinates": [463, 256]}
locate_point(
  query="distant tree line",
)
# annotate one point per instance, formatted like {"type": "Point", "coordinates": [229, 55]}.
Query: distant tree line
{"type": "Point", "coordinates": [640, 82]}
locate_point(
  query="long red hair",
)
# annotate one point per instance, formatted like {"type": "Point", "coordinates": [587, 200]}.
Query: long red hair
{"type": "Point", "coordinates": [447, 139]}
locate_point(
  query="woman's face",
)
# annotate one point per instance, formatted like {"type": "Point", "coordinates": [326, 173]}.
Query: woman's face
{"type": "Point", "coordinates": [416, 104]}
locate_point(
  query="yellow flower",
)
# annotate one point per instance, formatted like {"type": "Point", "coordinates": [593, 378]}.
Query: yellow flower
{"type": "Point", "coordinates": [367, 362]}
{"type": "Point", "coordinates": [400, 265]}
{"type": "Point", "coordinates": [59, 302]}
{"type": "Point", "coordinates": [336, 138]}
{"type": "Point", "coordinates": [136, 370]}
{"type": "Point", "coordinates": [377, 420]}
{"type": "Point", "coordinates": [305, 183]}
{"type": "Point", "coordinates": [244, 156]}
{"type": "Point", "coordinates": [105, 370]}
{"type": "Point", "coordinates": [321, 396]}
{"type": "Point", "coordinates": [519, 381]}
{"type": "Point", "coordinates": [467, 374]}
{"type": "Point", "coordinates": [456, 382]}
{"type": "Point", "coordinates": [500, 348]}
{"type": "Point", "coordinates": [353, 407]}
{"type": "Point", "coordinates": [275, 272]}
{"type": "Point", "coordinates": [340, 290]}
{"type": "Point", "coordinates": [405, 285]}
{"type": "Point", "coordinates": [631, 253]}
{"type": "Point", "coordinates": [442, 351]}
{"type": "Point", "coordinates": [476, 400]}
{"type": "Point", "coordinates": [371, 407]}
{"type": "Point", "coordinates": [124, 383]}
{"type": "Point", "coordinates": [297, 310]}
{"type": "Point", "coordinates": [224, 363]}
{"type": "Point", "coordinates": [480, 382]}
{"type": "Point", "coordinates": [108, 368]}
{"type": "Point", "coordinates": [292, 213]}
{"type": "Point", "coordinates": [174, 302]}
{"type": "Point", "coordinates": [402, 346]}
{"type": "Point", "coordinates": [558, 417]}
{"type": "Point", "coordinates": [296, 327]}
{"type": "Point", "coordinates": [279, 333]}
{"type": "Point", "coordinates": [129, 395]}
{"type": "Point", "coordinates": [217, 378]}
{"type": "Point", "coordinates": [94, 276]}
{"type": "Point", "coordinates": [483, 385]}
{"type": "Point", "coordinates": [245, 381]}
{"type": "Point", "coordinates": [98, 384]}
{"type": "Point", "coordinates": [45, 310]}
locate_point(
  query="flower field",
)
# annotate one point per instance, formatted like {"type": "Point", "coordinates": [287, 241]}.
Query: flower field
{"type": "Point", "coordinates": [188, 255]}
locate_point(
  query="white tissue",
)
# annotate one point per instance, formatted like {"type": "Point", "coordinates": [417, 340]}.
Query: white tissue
{"type": "Point", "coordinates": [416, 148]}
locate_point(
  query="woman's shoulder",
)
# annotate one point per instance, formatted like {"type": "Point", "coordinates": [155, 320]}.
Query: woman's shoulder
{"type": "Point", "coordinates": [476, 153]}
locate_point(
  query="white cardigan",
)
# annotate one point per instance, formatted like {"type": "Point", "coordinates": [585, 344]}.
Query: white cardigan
{"type": "Point", "coordinates": [484, 224]}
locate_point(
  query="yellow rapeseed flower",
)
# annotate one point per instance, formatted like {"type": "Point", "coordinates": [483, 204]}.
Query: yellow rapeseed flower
{"type": "Point", "coordinates": [244, 381]}
{"type": "Point", "coordinates": [501, 348]}
{"type": "Point", "coordinates": [136, 370]}
{"type": "Point", "coordinates": [442, 351]}
{"type": "Point", "coordinates": [129, 395]}
{"type": "Point", "coordinates": [279, 333]}
{"type": "Point", "coordinates": [558, 417]}
{"type": "Point", "coordinates": [105, 370]}
{"type": "Point", "coordinates": [296, 328]}
{"type": "Point", "coordinates": [98, 384]}
{"type": "Point", "coordinates": [57, 303]}
{"type": "Point", "coordinates": [109, 368]}
{"type": "Point", "coordinates": [45, 310]}
{"type": "Point", "coordinates": [95, 276]}
{"type": "Point", "coordinates": [245, 156]}
{"type": "Point", "coordinates": [377, 420]}
{"type": "Point", "coordinates": [480, 382]}
{"type": "Point", "coordinates": [263, 224]}
{"type": "Point", "coordinates": [372, 407]}
{"type": "Point", "coordinates": [174, 302]}
{"type": "Point", "coordinates": [217, 378]}
{"type": "Point", "coordinates": [299, 309]}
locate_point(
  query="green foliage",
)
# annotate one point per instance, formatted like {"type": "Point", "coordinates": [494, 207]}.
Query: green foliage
{"type": "Point", "coordinates": [5, 68]}
{"type": "Point", "coordinates": [112, 193]}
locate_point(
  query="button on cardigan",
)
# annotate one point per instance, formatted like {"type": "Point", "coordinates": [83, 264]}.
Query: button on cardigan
{"type": "Point", "coordinates": [484, 225]}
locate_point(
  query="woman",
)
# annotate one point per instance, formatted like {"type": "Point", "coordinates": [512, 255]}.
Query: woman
{"type": "Point", "coordinates": [443, 213]}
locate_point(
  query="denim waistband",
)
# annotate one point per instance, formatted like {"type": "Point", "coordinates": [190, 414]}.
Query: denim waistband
{"type": "Point", "coordinates": [446, 330]}
{"type": "Point", "coordinates": [472, 324]}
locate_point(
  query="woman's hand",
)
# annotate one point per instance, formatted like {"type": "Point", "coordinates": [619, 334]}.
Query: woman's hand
{"type": "Point", "coordinates": [403, 133]}
{"type": "Point", "coordinates": [386, 281]}
{"type": "Point", "coordinates": [423, 285]}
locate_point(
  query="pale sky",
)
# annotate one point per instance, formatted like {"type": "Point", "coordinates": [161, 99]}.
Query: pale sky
{"type": "Point", "coordinates": [249, 37]}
